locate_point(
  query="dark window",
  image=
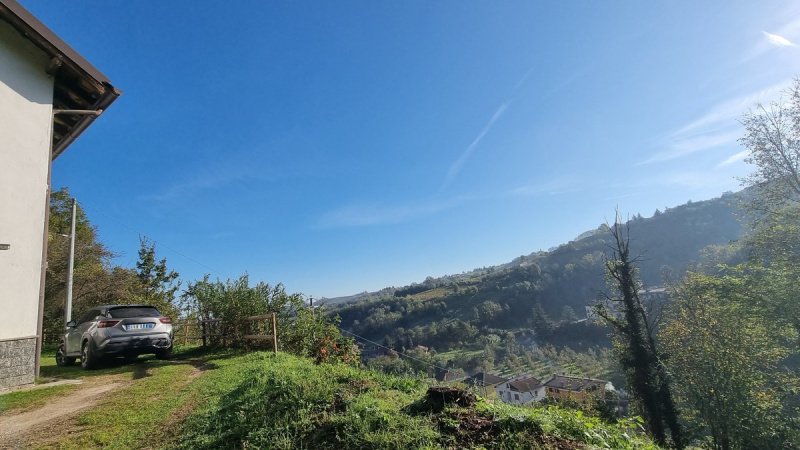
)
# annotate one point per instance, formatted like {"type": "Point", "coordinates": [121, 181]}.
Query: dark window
{"type": "Point", "coordinates": [88, 316]}
{"type": "Point", "coordinates": [128, 312]}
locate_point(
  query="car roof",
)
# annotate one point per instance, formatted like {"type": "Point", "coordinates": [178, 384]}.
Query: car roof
{"type": "Point", "coordinates": [107, 307]}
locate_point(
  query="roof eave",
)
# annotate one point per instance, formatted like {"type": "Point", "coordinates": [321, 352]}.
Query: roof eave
{"type": "Point", "coordinates": [64, 58]}
{"type": "Point", "coordinates": [104, 102]}
{"type": "Point", "coordinates": [47, 40]}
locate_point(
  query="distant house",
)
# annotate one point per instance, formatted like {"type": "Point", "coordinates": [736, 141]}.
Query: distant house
{"type": "Point", "coordinates": [448, 375]}
{"type": "Point", "coordinates": [49, 94]}
{"type": "Point", "coordinates": [485, 381]}
{"type": "Point", "coordinates": [566, 387]}
{"type": "Point", "coordinates": [521, 390]}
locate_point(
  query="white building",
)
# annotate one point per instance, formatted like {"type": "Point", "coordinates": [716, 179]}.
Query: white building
{"type": "Point", "coordinates": [521, 390]}
{"type": "Point", "coordinates": [49, 95]}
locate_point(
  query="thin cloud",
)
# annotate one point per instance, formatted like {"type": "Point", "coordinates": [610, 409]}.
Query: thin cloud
{"type": "Point", "coordinates": [455, 168]}
{"type": "Point", "coordinates": [621, 196]}
{"type": "Point", "coordinates": [366, 215]}
{"type": "Point", "coordinates": [736, 157]}
{"type": "Point", "coordinates": [552, 187]}
{"type": "Point", "coordinates": [687, 146]}
{"type": "Point", "coordinates": [458, 164]}
{"type": "Point", "coordinates": [208, 180]}
{"type": "Point", "coordinates": [362, 215]}
{"type": "Point", "coordinates": [183, 189]}
{"type": "Point", "coordinates": [725, 112]}
{"type": "Point", "coordinates": [687, 179]}
{"type": "Point", "coordinates": [778, 40]}
{"type": "Point", "coordinates": [717, 127]}
{"type": "Point", "coordinates": [524, 79]}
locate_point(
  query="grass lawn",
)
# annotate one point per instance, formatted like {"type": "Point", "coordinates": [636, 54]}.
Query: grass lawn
{"type": "Point", "coordinates": [33, 398]}
{"type": "Point", "coordinates": [260, 400]}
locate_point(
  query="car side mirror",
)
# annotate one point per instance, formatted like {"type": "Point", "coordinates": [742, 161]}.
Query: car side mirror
{"type": "Point", "coordinates": [71, 324]}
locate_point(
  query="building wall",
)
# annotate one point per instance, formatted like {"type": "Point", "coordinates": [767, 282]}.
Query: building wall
{"type": "Point", "coordinates": [26, 95]}
{"type": "Point", "coordinates": [577, 396]}
{"type": "Point", "coordinates": [508, 395]}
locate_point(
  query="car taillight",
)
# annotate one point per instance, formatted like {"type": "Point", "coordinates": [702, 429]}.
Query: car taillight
{"type": "Point", "coordinates": [107, 323]}
{"type": "Point", "coordinates": [165, 320]}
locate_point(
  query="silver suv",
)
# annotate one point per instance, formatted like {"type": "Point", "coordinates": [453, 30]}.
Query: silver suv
{"type": "Point", "coordinates": [115, 330]}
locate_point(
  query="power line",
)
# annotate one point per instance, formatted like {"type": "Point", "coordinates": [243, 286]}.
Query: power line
{"type": "Point", "coordinates": [161, 243]}
{"type": "Point", "coordinates": [121, 225]}
{"type": "Point", "coordinates": [391, 349]}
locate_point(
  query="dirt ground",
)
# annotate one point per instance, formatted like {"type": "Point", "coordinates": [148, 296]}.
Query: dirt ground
{"type": "Point", "coordinates": [31, 428]}
{"type": "Point", "coordinates": [16, 428]}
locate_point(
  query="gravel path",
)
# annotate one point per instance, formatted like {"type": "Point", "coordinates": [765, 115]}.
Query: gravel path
{"type": "Point", "coordinates": [14, 427]}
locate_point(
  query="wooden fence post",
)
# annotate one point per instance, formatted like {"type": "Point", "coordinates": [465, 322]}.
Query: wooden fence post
{"type": "Point", "coordinates": [187, 324]}
{"type": "Point", "coordinates": [274, 334]}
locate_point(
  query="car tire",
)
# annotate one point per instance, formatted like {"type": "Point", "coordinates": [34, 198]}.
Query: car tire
{"type": "Point", "coordinates": [62, 360]}
{"type": "Point", "coordinates": [89, 356]}
{"type": "Point", "coordinates": [164, 354]}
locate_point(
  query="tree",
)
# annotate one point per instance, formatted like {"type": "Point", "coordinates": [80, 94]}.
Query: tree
{"type": "Point", "coordinates": [772, 138]}
{"type": "Point", "coordinates": [159, 283]}
{"type": "Point", "coordinates": [640, 359]}
{"type": "Point", "coordinates": [727, 359]}
{"type": "Point", "coordinates": [540, 322]}
{"type": "Point", "coordinates": [489, 311]}
{"type": "Point", "coordinates": [732, 332]}
{"type": "Point", "coordinates": [96, 280]}
{"type": "Point", "coordinates": [93, 282]}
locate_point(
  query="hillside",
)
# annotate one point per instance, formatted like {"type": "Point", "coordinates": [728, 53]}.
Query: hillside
{"type": "Point", "coordinates": [451, 311]}
{"type": "Point", "coordinates": [231, 399]}
{"type": "Point", "coordinates": [282, 401]}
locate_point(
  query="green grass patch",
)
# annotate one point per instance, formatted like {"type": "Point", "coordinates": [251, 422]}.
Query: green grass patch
{"type": "Point", "coordinates": [280, 401]}
{"type": "Point", "coordinates": [139, 413]}
{"type": "Point", "coordinates": [49, 370]}
{"type": "Point", "coordinates": [32, 398]}
{"type": "Point", "coordinates": [262, 400]}
{"type": "Point", "coordinates": [131, 417]}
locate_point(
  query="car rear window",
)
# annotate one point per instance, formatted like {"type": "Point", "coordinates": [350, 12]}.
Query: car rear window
{"type": "Point", "coordinates": [133, 311]}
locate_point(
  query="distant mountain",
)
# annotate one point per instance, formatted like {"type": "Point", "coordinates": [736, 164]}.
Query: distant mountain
{"type": "Point", "coordinates": [503, 297]}
{"type": "Point", "coordinates": [355, 297]}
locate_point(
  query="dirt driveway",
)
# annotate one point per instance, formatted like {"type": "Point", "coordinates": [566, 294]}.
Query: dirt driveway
{"type": "Point", "coordinates": [56, 421]}
{"type": "Point", "coordinates": [16, 428]}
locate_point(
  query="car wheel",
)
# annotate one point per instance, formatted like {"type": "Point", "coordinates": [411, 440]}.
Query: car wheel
{"type": "Point", "coordinates": [89, 357]}
{"type": "Point", "coordinates": [62, 360]}
{"type": "Point", "coordinates": [164, 354]}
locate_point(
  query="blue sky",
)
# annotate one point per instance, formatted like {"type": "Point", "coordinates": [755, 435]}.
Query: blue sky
{"type": "Point", "coordinates": [346, 146]}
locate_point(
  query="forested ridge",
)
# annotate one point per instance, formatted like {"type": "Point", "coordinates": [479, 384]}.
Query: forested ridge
{"type": "Point", "coordinates": [449, 311]}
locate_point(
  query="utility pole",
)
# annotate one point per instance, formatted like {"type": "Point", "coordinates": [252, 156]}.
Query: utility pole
{"type": "Point", "coordinates": [71, 267]}
{"type": "Point", "coordinates": [274, 334]}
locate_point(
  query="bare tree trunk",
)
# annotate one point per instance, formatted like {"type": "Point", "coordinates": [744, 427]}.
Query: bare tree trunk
{"type": "Point", "coordinates": [647, 375]}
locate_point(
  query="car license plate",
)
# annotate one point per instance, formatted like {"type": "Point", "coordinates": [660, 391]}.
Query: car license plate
{"type": "Point", "coordinates": [139, 326]}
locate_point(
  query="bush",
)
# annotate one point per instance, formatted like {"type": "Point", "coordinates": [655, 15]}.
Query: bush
{"type": "Point", "coordinates": [301, 330]}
